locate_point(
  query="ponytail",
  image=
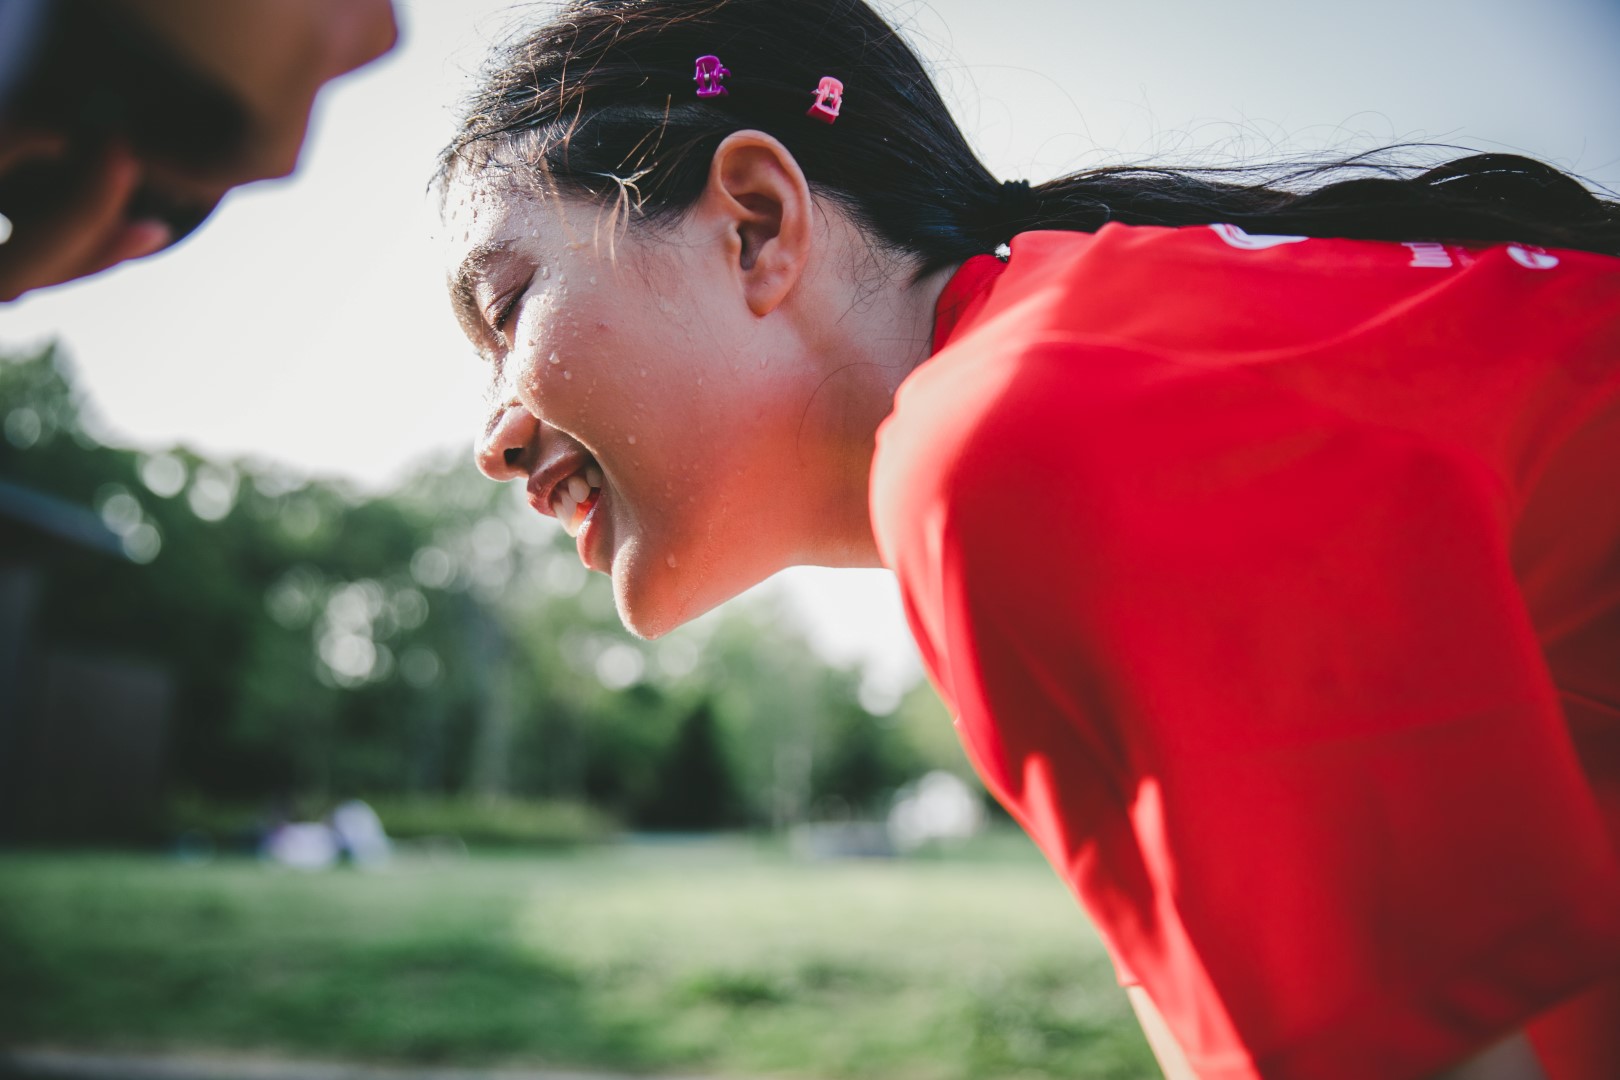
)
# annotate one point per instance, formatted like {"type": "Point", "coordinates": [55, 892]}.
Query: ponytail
{"type": "Point", "coordinates": [1375, 196]}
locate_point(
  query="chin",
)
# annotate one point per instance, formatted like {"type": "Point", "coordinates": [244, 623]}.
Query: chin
{"type": "Point", "coordinates": [643, 620]}
{"type": "Point", "coordinates": [650, 619]}
{"type": "Point", "coordinates": [653, 600]}
{"type": "Point", "coordinates": [648, 601]}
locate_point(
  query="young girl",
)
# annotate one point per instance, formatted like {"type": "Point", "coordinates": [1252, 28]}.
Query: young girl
{"type": "Point", "coordinates": [1265, 540]}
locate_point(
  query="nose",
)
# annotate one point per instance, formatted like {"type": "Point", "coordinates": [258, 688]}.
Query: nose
{"type": "Point", "coordinates": [506, 450]}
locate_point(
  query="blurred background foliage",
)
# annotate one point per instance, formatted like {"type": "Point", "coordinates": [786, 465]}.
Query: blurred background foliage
{"type": "Point", "coordinates": [439, 645]}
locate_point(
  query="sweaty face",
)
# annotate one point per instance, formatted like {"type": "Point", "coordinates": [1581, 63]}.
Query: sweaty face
{"type": "Point", "coordinates": [634, 393]}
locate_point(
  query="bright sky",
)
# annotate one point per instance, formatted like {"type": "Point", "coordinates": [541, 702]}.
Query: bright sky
{"type": "Point", "coordinates": [306, 323]}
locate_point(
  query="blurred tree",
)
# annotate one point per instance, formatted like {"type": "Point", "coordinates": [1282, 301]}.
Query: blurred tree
{"type": "Point", "coordinates": [694, 788]}
{"type": "Point", "coordinates": [864, 762]}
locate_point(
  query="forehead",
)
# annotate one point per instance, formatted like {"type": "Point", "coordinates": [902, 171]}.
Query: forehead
{"type": "Point", "coordinates": [481, 211]}
{"type": "Point", "coordinates": [491, 212]}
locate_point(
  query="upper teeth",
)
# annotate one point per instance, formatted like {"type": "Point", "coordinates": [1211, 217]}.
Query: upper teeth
{"type": "Point", "coordinates": [571, 494]}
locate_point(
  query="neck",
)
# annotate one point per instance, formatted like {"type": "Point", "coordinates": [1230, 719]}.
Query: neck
{"type": "Point", "coordinates": [885, 332]}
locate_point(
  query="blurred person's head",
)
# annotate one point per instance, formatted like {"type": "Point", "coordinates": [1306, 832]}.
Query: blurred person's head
{"type": "Point", "coordinates": [123, 122]}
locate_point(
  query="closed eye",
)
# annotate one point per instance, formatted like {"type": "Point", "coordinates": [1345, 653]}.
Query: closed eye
{"type": "Point", "coordinates": [504, 312]}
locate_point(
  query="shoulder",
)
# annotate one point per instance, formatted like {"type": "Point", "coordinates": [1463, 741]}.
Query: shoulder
{"type": "Point", "coordinates": [981, 431]}
{"type": "Point", "coordinates": [1076, 468]}
{"type": "Point", "coordinates": [1080, 420]}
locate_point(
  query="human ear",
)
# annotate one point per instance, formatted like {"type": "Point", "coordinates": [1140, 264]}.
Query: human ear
{"type": "Point", "coordinates": [760, 196]}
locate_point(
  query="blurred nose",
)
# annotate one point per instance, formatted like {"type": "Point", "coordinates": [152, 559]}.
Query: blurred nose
{"type": "Point", "coordinates": [506, 451]}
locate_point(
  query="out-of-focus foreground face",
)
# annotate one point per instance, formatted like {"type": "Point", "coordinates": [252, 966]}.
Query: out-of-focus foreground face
{"type": "Point", "coordinates": [84, 189]}
{"type": "Point", "coordinates": [272, 56]}
{"type": "Point", "coordinates": [664, 421]}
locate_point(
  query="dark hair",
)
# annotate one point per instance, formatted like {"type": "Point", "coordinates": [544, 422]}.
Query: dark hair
{"type": "Point", "coordinates": [601, 102]}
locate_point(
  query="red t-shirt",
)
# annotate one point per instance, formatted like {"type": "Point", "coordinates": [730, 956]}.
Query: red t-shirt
{"type": "Point", "coordinates": [1275, 584]}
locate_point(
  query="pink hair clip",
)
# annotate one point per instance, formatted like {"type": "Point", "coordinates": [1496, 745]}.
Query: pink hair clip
{"type": "Point", "coordinates": [829, 100]}
{"type": "Point", "coordinates": [710, 72]}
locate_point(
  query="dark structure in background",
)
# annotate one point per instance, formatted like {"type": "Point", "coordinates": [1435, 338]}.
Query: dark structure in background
{"type": "Point", "coordinates": [82, 733]}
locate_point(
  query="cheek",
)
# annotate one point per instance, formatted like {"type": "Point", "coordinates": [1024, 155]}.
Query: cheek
{"type": "Point", "coordinates": [577, 374]}
{"type": "Point", "coordinates": [544, 361]}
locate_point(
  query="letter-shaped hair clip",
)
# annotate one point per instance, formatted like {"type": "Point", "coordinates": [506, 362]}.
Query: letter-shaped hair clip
{"type": "Point", "coordinates": [829, 100]}
{"type": "Point", "coordinates": [710, 72]}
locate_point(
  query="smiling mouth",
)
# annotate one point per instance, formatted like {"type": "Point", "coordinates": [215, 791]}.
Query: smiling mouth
{"type": "Point", "coordinates": [576, 497]}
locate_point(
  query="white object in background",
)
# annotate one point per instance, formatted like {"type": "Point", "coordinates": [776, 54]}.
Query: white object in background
{"type": "Point", "coordinates": [360, 833]}
{"type": "Point", "coordinates": [940, 806]}
{"type": "Point", "coordinates": [302, 845]}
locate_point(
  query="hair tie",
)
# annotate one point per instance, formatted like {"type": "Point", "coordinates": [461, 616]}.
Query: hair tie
{"type": "Point", "coordinates": [1020, 203]}
{"type": "Point", "coordinates": [1014, 208]}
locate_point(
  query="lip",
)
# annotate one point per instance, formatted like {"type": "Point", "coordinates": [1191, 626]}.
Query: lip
{"type": "Point", "coordinates": [587, 542]}
{"type": "Point", "coordinates": [544, 482]}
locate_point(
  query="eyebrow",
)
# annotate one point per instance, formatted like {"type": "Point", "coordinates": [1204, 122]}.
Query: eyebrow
{"type": "Point", "coordinates": [464, 283]}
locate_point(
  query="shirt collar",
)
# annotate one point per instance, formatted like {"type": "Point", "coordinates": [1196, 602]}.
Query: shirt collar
{"type": "Point", "coordinates": [964, 295]}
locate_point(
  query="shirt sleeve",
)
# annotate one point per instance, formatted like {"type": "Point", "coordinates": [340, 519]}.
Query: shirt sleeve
{"type": "Point", "coordinates": [1259, 680]}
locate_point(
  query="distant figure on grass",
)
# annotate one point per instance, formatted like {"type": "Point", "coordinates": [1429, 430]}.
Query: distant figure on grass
{"type": "Point", "coordinates": [1260, 526]}
{"type": "Point", "coordinates": [353, 830]}
{"type": "Point", "coordinates": [124, 122]}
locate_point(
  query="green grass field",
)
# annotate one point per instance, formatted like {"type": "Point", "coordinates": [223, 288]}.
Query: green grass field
{"type": "Point", "coordinates": [721, 956]}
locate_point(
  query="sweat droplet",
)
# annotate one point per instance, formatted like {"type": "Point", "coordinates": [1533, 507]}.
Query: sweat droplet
{"type": "Point", "coordinates": [631, 440]}
{"type": "Point", "coordinates": [671, 561]}
{"type": "Point", "coordinates": [555, 359]}
{"type": "Point", "coordinates": [545, 272]}
{"type": "Point", "coordinates": [568, 374]}
{"type": "Point", "coordinates": [593, 279]}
